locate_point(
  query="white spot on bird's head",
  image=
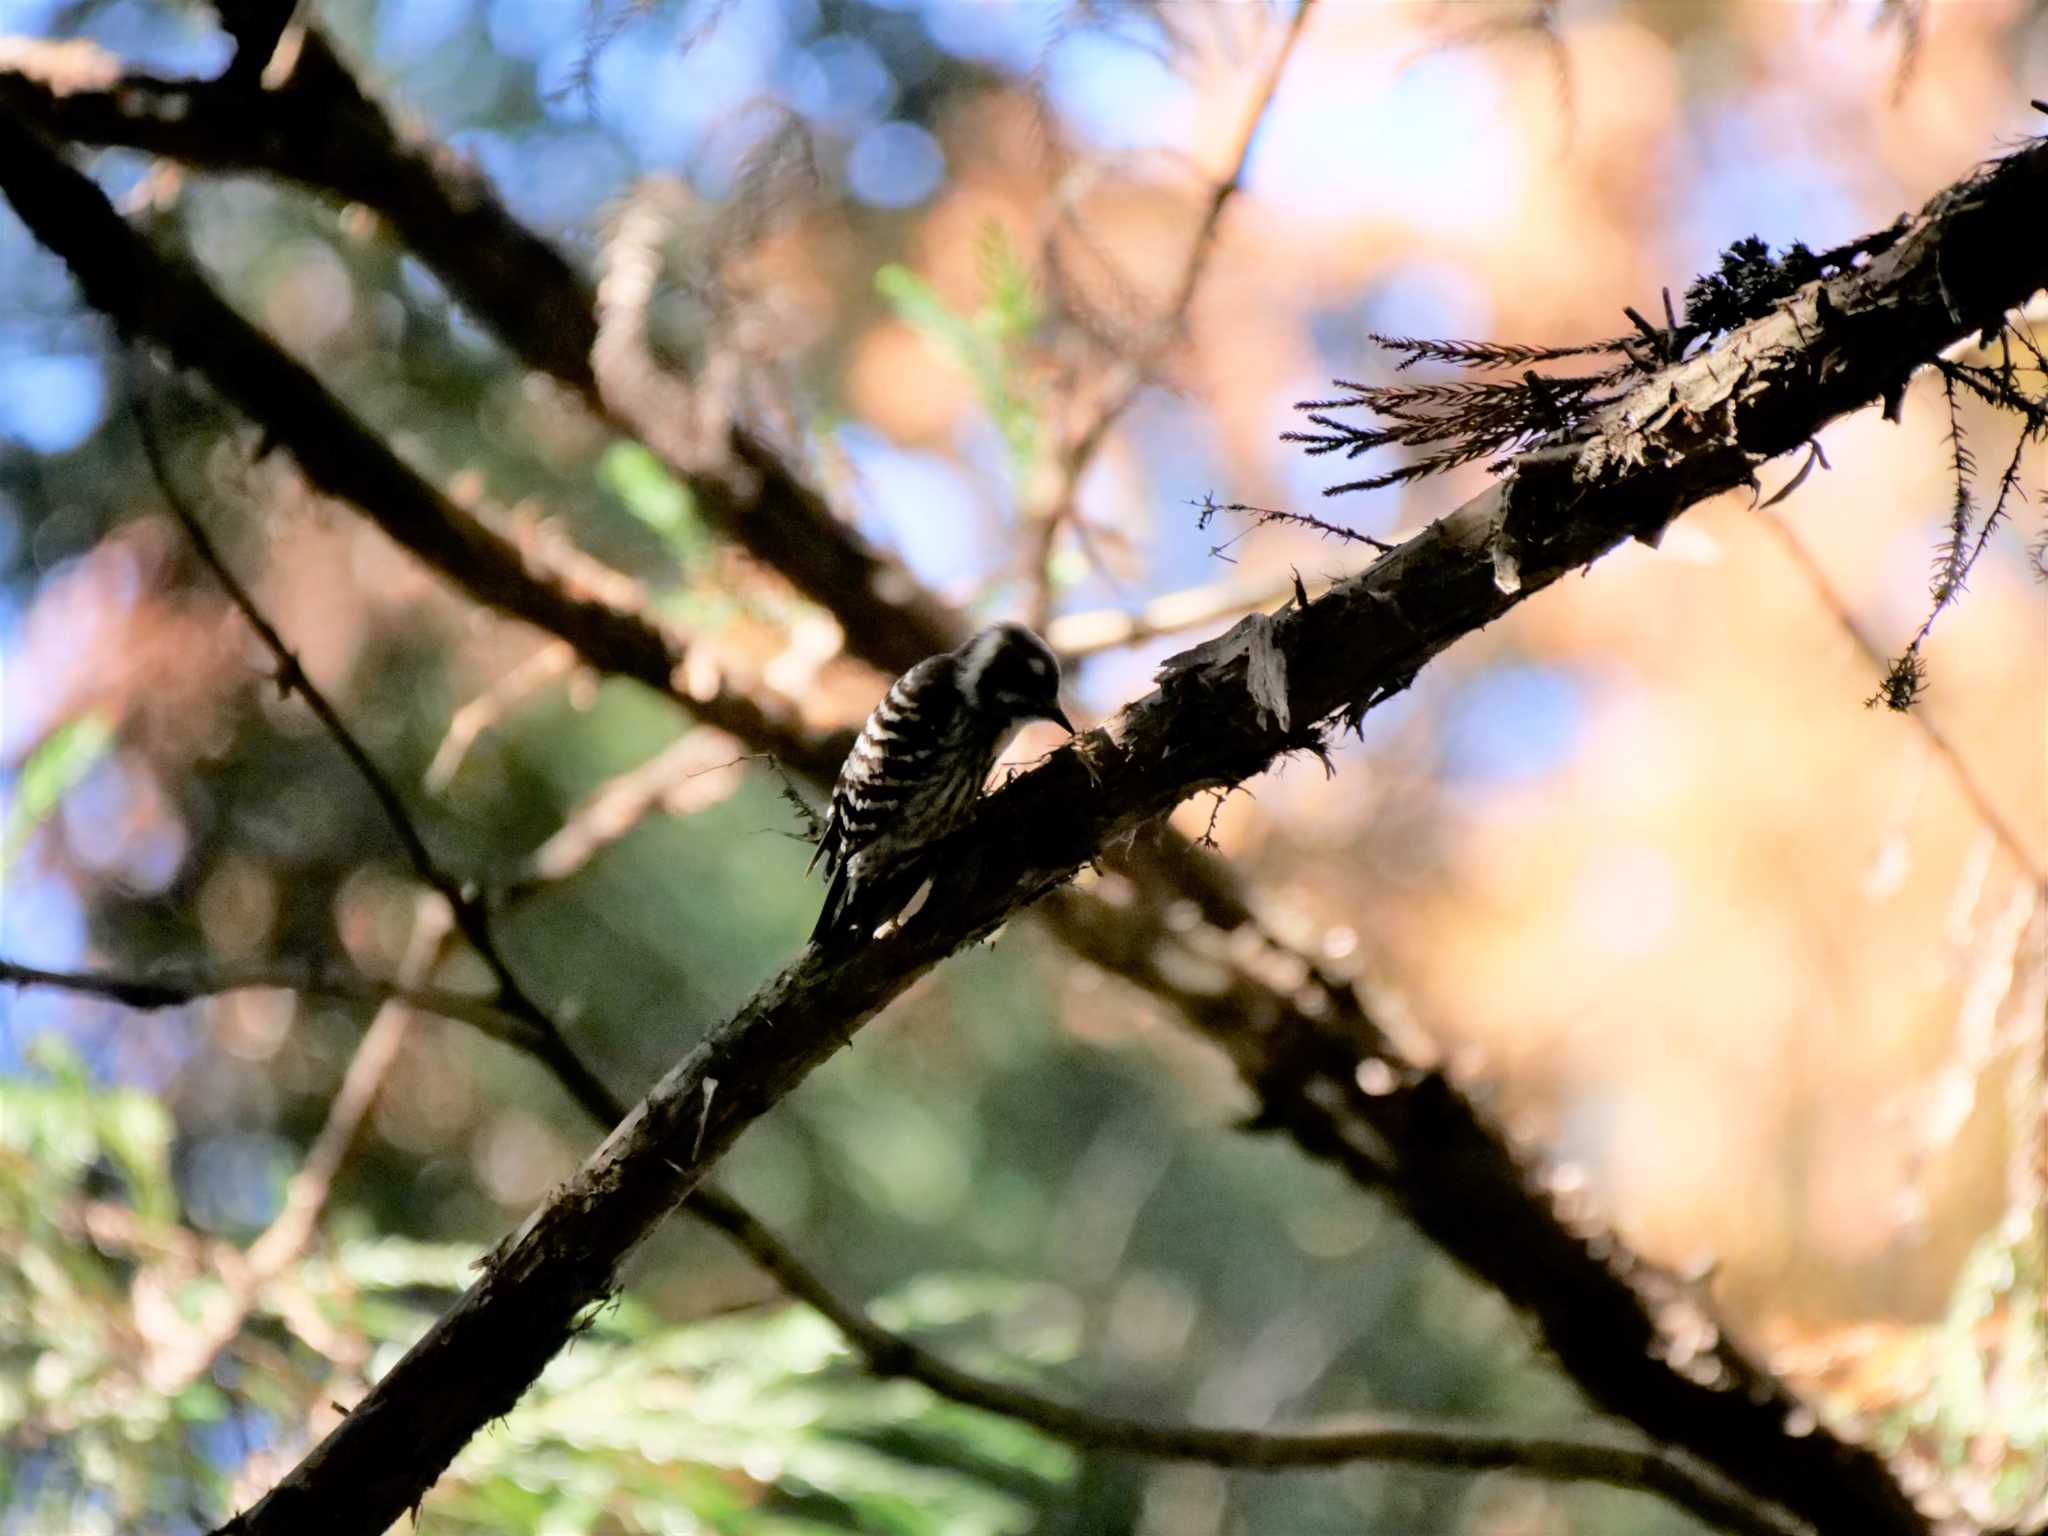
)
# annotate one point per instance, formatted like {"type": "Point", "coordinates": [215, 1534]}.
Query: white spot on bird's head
{"type": "Point", "coordinates": [975, 657]}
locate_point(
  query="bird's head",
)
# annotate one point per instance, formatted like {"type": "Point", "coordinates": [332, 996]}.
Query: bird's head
{"type": "Point", "coordinates": [1009, 673]}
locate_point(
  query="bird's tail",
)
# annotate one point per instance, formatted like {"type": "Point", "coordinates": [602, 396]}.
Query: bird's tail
{"type": "Point", "coordinates": [857, 903]}
{"type": "Point", "coordinates": [832, 916]}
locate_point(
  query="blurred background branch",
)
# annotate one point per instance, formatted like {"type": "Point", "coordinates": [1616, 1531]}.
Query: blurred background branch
{"type": "Point", "coordinates": [887, 1354]}
{"type": "Point", "coordinates": [1830, 601]}
{"type": "Point", "coordinates": [1054, 509]}
{"type": "Point", "coordinates": [1522, 837]}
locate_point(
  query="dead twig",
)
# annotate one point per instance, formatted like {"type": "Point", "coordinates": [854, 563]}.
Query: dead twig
{"type": "Point", "coordinates": [1959, 770]}
{"type": "Point", "coordinates": [1055, 508]}
{"type": "Point", "coordinates": [284, 1241]}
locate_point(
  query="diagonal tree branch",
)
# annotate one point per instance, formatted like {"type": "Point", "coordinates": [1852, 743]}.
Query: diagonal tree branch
{"type": "Point", "coordinates": [321, 129]}
{"type": "Point", "coordinates": [154, 297]}
{"type": "Point", "coordinates": [1649, 1468]}
{"type": "Point", "coordinates": [1617, 1461]}
{"type": "Point", "coordinates": [1616, 1380]}
{"type": "Point", "coordinates": [1223, 712]}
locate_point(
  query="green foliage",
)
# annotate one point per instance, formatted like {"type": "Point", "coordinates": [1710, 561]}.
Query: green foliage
{"type": "Point", "coordinates": [992, 344]}
{"type": "Point", "coordinates": [1014, 305]}
{"type": "Point", "coordinates": [88, 1274]}
{"type": "Point", "coordinates": [1984, 1419]}
{"type": "Point", "coordinates": [53, 769]}
{"type": "Point", "coordinates": [753, 1425]}
{"type": "Point", "coordinates": [659, 500]}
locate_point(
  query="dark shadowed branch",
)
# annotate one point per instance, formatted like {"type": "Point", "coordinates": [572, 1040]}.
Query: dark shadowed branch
{"type": "Point", "coordinates": [1624, 1464]}
{"type": "Point", "coordinates": [320, 129]}
{"type": "Point", "coordinates": [1223, 711]}
{"type": "Point", "coordinates": [1682, 445]}
{"type": "Point", "coordinates": [156, 298]}
{"type": "Point", "coordinates": [1617, 1461]}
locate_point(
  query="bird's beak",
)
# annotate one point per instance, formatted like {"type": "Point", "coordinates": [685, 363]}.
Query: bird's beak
{"type": "Point", "coordinates": [1059, 718]}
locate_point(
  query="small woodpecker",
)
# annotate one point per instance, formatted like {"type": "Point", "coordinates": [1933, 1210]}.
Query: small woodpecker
{"type": "Point", "coordinates": [920, 763]}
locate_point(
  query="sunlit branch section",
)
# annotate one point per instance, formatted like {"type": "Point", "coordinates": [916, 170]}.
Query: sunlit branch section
{"type": "Point", "coordinates": [1223, 712]}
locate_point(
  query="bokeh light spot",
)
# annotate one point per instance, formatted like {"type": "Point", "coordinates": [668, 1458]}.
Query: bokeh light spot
{"type": "Point", "coordinates": [895, 165]}
{"type": "Point", "coordinates": [51, 402]}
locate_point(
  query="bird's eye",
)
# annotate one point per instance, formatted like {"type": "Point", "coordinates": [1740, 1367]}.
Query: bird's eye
{"type": "Point", "coordinates": [1038, 665]}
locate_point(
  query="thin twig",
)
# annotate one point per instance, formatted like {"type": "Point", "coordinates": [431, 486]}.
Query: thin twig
{"type": "Point", "coordinates": [1959, 769]}
{"type": "Point", "coordinates": [552, 659]}
{"type": "Point", "coordinates": [177, 987]}
{"type": "Point", "coordinates": [468, 910]}
{"type": "Point", "coordinates": [1207, 509]}
{"type": "Point", "coordinates": [1614, 1461]}
{"type": "Point", "coordinates": [701, 768]}
{"type": "Point", "coordinates": [1057, 507]}
{"type": "Point", "coordinates": [284, 1241]}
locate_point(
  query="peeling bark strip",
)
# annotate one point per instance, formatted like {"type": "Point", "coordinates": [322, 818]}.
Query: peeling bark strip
{"type": "Point", "coordinates": [1695, 430]}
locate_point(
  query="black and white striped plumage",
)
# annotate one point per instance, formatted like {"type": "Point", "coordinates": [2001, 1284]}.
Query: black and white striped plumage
{"type": "Point", "coordinates": [919, 765]}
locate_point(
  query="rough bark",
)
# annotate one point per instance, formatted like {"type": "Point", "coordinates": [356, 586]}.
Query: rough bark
{"type": "Point", "coordinates": [1696, 429]}
{"type": "Point", "coordinates": [1678, 439]}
